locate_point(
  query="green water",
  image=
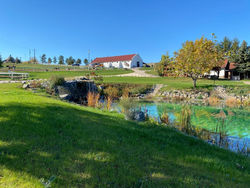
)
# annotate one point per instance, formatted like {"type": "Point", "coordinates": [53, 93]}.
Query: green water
{"type": "Point", "coordinates": [237, 121]}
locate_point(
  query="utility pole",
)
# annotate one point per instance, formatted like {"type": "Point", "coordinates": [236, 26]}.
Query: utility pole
{"type": "Point", "coordinates": [29, 55]}
{"type": "Point", "coordinates": [34, 54]}
{"type": "Point", "coordinates": [89, 56]}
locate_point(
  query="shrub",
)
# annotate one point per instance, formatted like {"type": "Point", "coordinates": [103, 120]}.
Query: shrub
{"type": "Point", "coordinates": [93, 73]}
{"type": "Point", "coordinates": [93, 99]}
{"type": "Point", "coordinates": [141, 89]}
{"type": "Point", "coordinates": [109, 103]}
{"type": "Point", "coordinates": [56, 81]}
{"type": "Point", "coordinates": [125, 93]}
{"type": "Point", "coordinates": [213, 100]}
{"type": "Point", "coordinates": [98, 78]}
{"type": "Point", "coordinates": [185, 121]}
{"type": "Point", "coordinates": [35, 84]}
{"type": "Point", "coordinates": [128, 106]}
{"type": "Point", "coordinates": [165, 118]}
{"type": "Point", "coordinates": [87, 76]}
{"type": "Point", "coordinates": [232, 102]}
{"type": "Point", "coordinates": [111, 92]}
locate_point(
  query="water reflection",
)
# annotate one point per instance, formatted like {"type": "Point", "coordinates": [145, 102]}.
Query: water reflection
{"type": "Point", "coordinates": [226, 127]}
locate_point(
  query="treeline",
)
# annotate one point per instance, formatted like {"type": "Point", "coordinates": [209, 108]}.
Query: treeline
{"type": "Point", "coordinates": [237, 52]}
{"type": "Point", "coordinates": [61, 61]}
{"type": "Point", "coordinates": [198, 57]}
{"type": "Point", "coordinates": [10, 59]}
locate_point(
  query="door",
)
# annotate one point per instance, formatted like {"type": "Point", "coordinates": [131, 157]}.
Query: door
{"type": "Point", "coordinates": [138, 64]}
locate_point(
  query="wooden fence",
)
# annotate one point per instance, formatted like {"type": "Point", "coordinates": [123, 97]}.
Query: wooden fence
{"type": "Point", "coordinates": [14, 75]}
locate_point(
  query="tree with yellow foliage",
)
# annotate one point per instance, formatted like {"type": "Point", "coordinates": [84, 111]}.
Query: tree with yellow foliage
{"type": "Point", "coordinates": [196, 58]}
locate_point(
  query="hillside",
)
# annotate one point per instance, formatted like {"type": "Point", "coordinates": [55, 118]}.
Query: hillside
{"type": "Point", "coordinates": [41, 137]}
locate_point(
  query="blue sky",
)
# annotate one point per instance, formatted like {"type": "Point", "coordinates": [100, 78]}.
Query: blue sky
{"type": "Point", "coordinates": [116, 27]}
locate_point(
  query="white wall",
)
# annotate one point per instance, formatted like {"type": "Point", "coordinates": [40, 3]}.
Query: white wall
{"type": "Point", "coordinates": [221, 74]}
{"type": "Point", "coordinates": [136, 59]}
{"type": "Point", "coordinates": [117, 64]}
{"type": "Point", "coordinates": [125, 64]}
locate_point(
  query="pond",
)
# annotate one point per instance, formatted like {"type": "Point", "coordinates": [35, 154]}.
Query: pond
{"type": "Point", "coordinates": [236, 121]}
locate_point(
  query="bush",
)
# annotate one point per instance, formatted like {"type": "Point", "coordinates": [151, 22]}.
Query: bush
{"type": "Point", "coordinates": [165, 118]}
{"type": "Point", "coordinates": [232, 102]}
{"type": "Point", "coordinates": [185, 121]}
{"type": "Point", "coordinates": [98, 78]}
{"type": "Point", "coordinates": [111, 92]}
{"type": "Point", "coordinates": [93, 99]}
{"type": "Point", "coordinates": [56, 81]}
{"type": "Point", "coordinates": [128, 106]}
{"type": "Point", "coordinates": [213, 100]}
{"type": "Point", "coordinates": [125, 92]}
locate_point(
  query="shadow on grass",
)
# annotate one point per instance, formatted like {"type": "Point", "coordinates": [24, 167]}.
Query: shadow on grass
{"type": "Point", "coordinates": [84, 148]}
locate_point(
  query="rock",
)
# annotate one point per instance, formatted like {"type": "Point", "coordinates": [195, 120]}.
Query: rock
{"type": "Point", "coordinates": [25, 86]}
{"type": "Point", "coordinates": [139, 116]}
{"type": "Point", "coordinates": [76, 90]}
{"type": "Point", "coordinates": [63, 92]}
{"type": "Point", "coordinates": [64, 96]}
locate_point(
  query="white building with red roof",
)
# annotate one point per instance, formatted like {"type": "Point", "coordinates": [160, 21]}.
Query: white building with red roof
{"type": "Point", "coordinates": [123, 61]}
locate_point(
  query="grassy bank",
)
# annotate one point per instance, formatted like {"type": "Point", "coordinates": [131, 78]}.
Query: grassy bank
{"type": "Point", "coordinates": [41, 137]}
{"type": "Point", "coordinates": [44, 75]}
{"type": "Point", "coordinates": [175, 83]}
{"type": "Point", "coordinates": [77, 72]}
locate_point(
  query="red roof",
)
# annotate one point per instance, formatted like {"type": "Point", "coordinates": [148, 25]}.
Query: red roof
{"type": "Point", "coordinates": [113, 58]}
{"type": "Point", "coordinates": [224, 64]}
{"type": "Point", "coordinates": [232, 66]}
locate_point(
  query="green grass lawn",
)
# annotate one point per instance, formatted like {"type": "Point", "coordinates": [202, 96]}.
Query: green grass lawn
{"type": "Point", "coordinates": [41, 137]}
{"type": "Point", "coordinates": [174, 83]}
{"type": "Point", "coordinates": [30, 66]}
{"type": "Point", "coordinates": [44, 75]}
{"type": "Point", "coordinates": [80, 72]}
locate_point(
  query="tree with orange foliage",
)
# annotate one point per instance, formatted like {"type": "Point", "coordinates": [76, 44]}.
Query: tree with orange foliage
{"type": "Point", "coordinates": [196, 58]}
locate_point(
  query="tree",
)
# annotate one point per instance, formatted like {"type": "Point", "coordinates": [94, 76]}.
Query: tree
{"type": "Point", "coordinates": [196, 58]}
{"type": "Point", "coordinates": [164, 67]}
{"type": "Point", "coordinates": [17, 61]}
{"type": "Point", "coordinates": [86, 62]}
{"type": "Point", "coordinates": [225, 46]}
{"type": "Point", "coordinates": [70, 60]}
{"type": "Point", "coordinates": [10, 59]}
{"type": "Point", "coordinates": [61, 60]}
{"type": "Point", "coordinates": [78, 61]}
{"type": "Point", "coordinates": [54, 60]}
{"type": "Point", "coordinates": [243, 60]}
{"type": "Point", "coordinates": [1, 61]}
{"type": "Point", "coordinates": [233, 53]}
{"type": "Point", "coordinates": [49, 60]}
{"type": "Point", "coordinates": [43, 58]}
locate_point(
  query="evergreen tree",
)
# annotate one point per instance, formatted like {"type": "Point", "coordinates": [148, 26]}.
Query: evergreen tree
{"type": "Point", "coordinates": [17, 61]}
{"type": "Point", "coordinates": [243, 62]}
{"type": "Point", "coordinates": [86, 62]}
{"type": "Point", "coordinates": [164, 67]}
{"type": "Point", "coordinates": [225, 46]}
{"type": "Point", "coordinates": [10, 59]}
{"type": "Point", "coordinates": [78, 61]}
{"type": "Point", "coordinates": [49, 60]}
{"type": "Point", "coordinates": [70, 60]}
{"type": "Point", "coordinates": [61, 60]}
{"type": "Point", "coordinates": [234, 51]}
{"type": "Point", "coordinates": [43, 58]}
{"type": "Point", "coordinates": [54, 60]}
